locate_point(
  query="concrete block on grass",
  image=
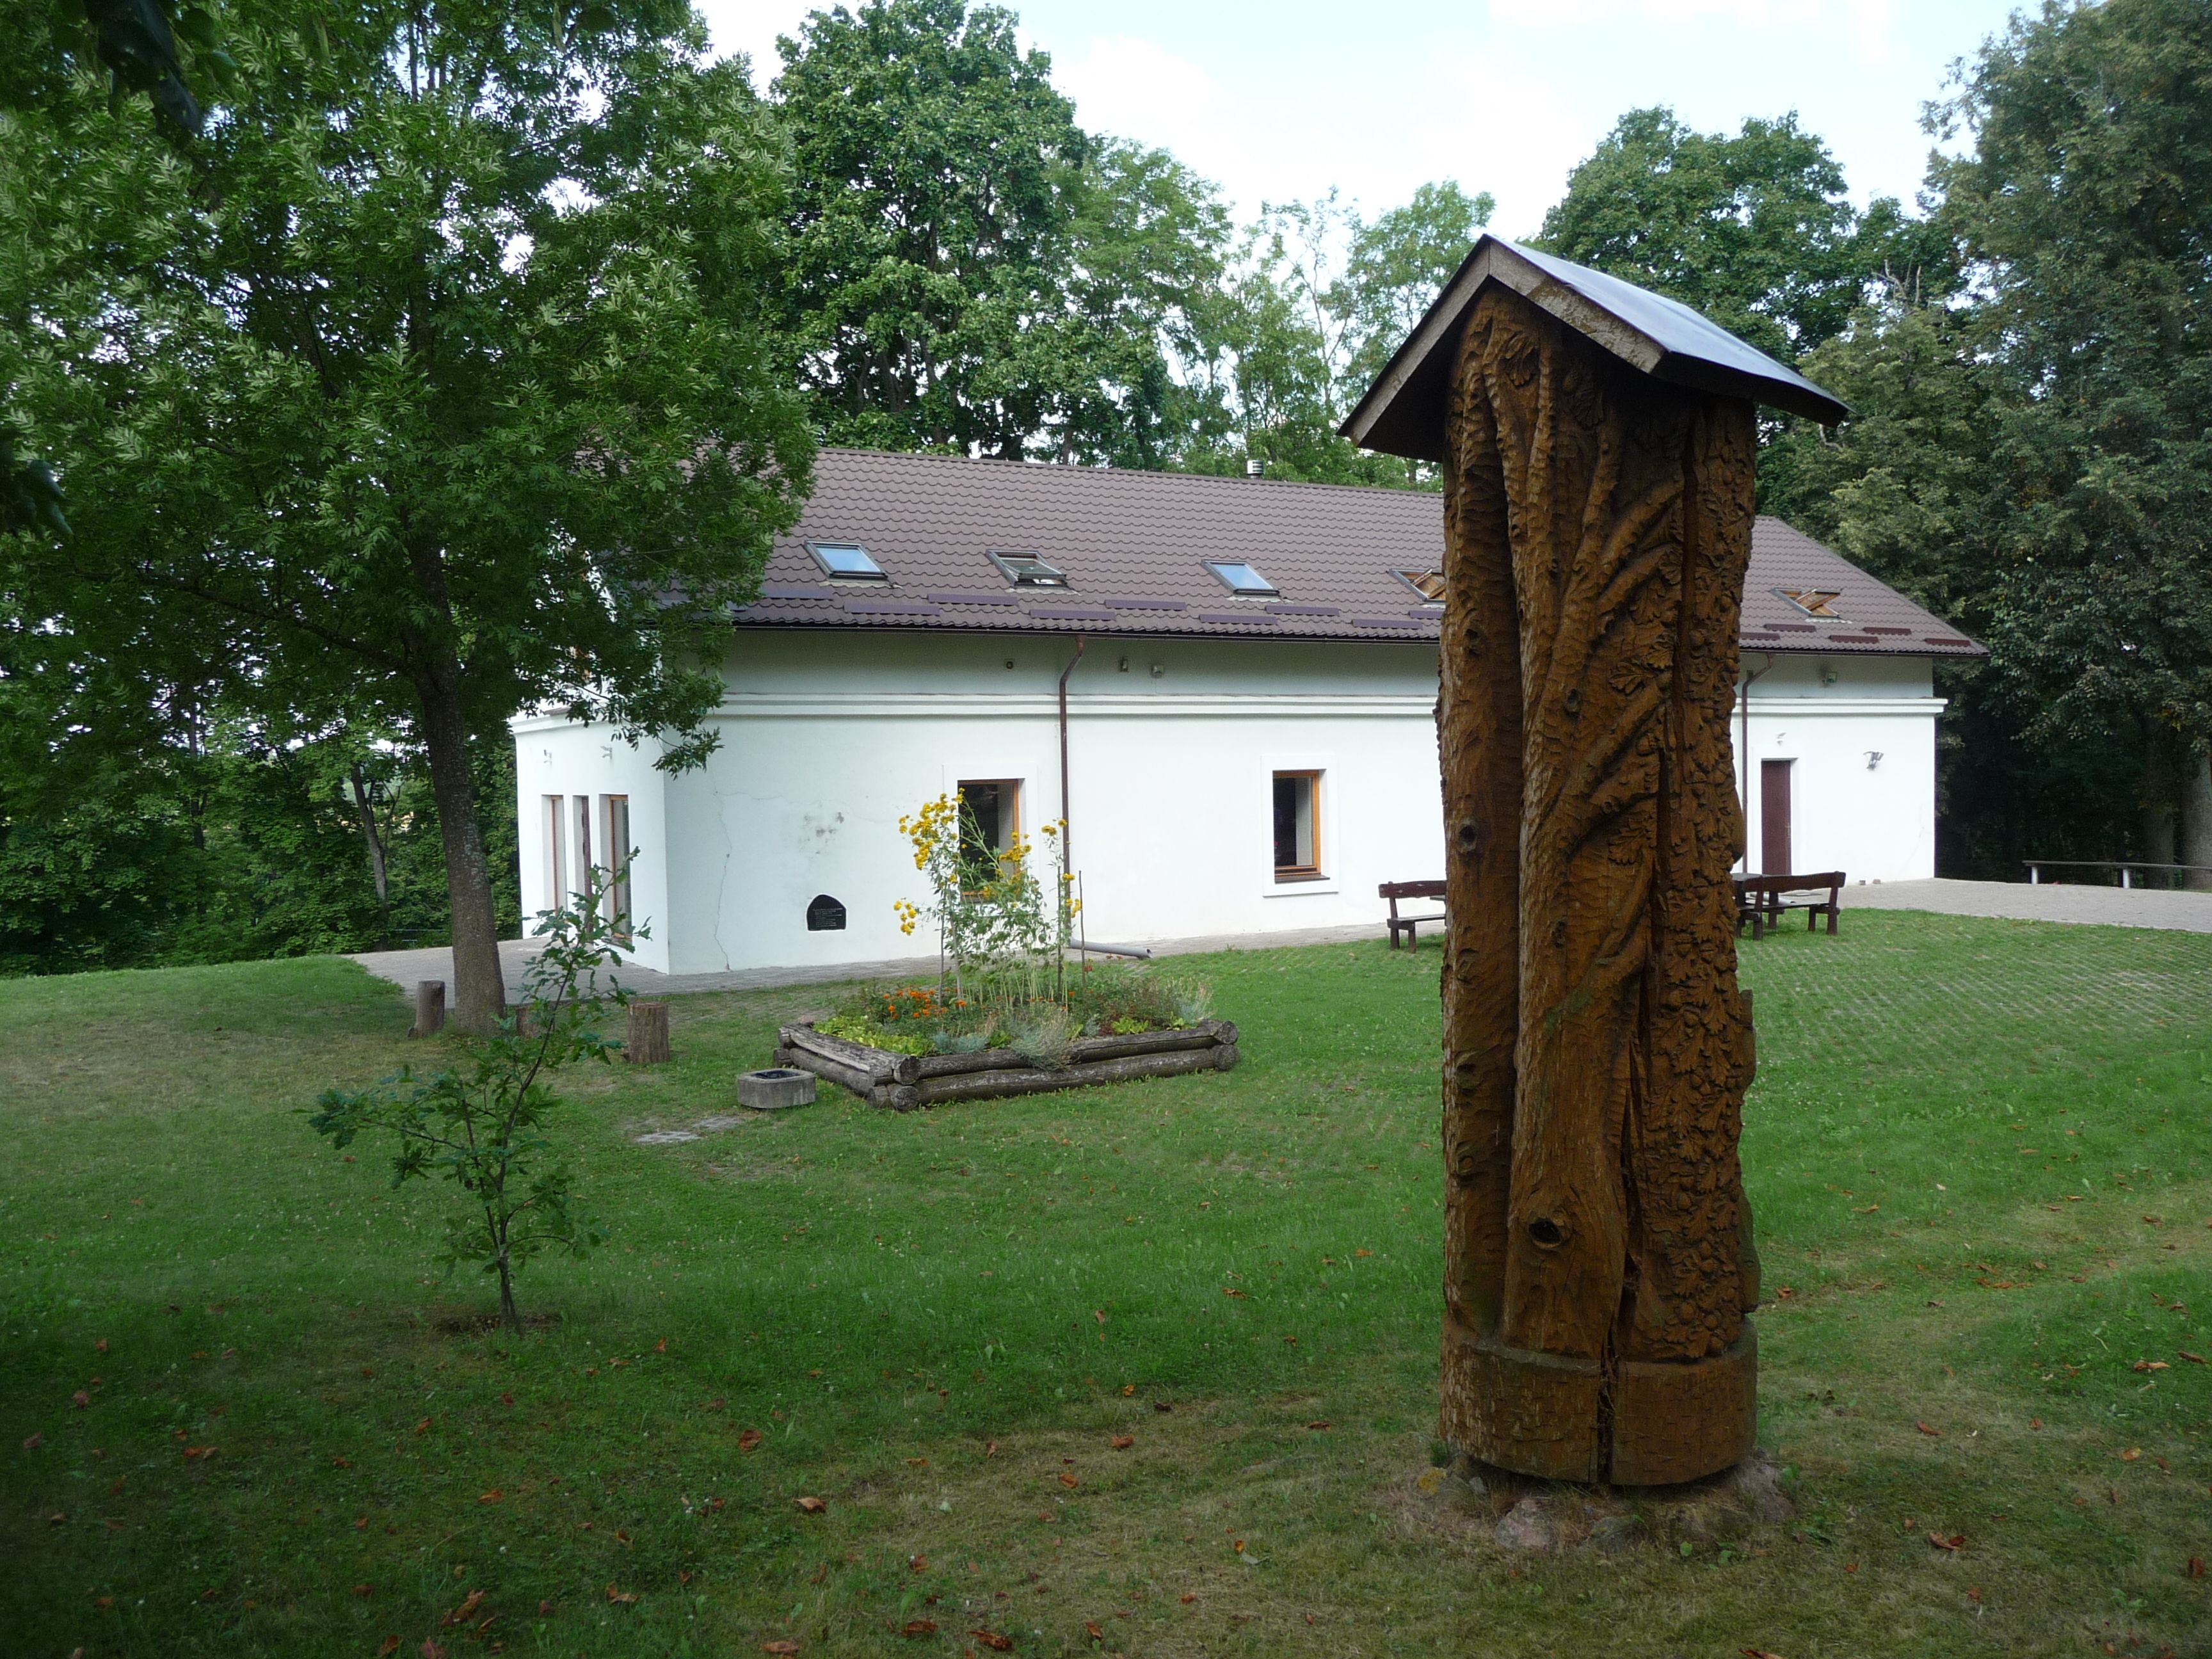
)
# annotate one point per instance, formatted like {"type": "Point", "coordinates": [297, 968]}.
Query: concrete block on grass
{"type": "Point", "coordinates": [777, 1087]}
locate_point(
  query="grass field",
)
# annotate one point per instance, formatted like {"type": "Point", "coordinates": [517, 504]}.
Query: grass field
{"type": "Point", "coordinates": [1978, 1154]}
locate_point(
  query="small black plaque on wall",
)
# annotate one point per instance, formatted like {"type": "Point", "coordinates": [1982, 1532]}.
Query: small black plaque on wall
{"type": "Point", "coordinates": [825, 916]}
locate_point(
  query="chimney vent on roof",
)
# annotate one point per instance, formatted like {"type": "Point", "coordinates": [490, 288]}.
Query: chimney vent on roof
{"type": "Point", "coordinates": [1256, 469]}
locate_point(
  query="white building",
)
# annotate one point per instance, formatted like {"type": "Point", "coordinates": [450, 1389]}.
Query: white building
{"type": "Point", "coordinates": [1249, 743]}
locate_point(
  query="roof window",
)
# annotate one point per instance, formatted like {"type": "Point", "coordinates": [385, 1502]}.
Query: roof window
{"type": "Point", "coordinates": [1429, 584]}
{"type": "Point", "coordinates": [847, 561]}
{"type": "Point", "coordinates": [1028, 570]}
{"type": "Point", "coordinates": [1241, 579]}
{"type": "Point", "coordinates": [1811, 601]}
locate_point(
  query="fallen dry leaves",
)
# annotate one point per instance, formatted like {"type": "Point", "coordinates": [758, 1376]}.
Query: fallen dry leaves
{"type": "Point", "coordinates": [621, 1598]}
{"type": "Point", "coordinates": [462, 1614]}
{"type": "Point", "coordinates": [749, 1440]}
{"type": "Point", "coordinates": [2131, 1454]}
{"type": "Point", "coordinates": [387, 1648]}
{"type": "Point", "coordinates": [919, 1627]}
{"type": "Point", "coordinates": [1123, 1442]}
{"type": "Point", "coordinates": [1069, 1481]}
{"type": "Point", "coordinates": [993, 1640]}
{"type": "Point", "coordinates": [1926, 1428]}
{"type": "Point", "coordinates": [1759, 1653]}
{"type": "Point", "coordinates": [2150, 1365]}
{"type": "Point", "coordinates": [784, 1645]}
{"type": "Point", "coordinates": [2195, 1567]}
{"type": "Point", "coordinates": [811, 1505]}
{"type": "Point", "coordinates": [492, 1496]}
{"type": "Point", "coordinates": [1093, 1631]}
{"type": "Point", "coordinates": [2193, 1359]}
{"type": "Point", "coordinates": [1955, 1542]}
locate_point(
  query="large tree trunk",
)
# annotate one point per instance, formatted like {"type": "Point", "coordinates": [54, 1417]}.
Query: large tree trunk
{"type": "Point", "coordinates": [479, 986]}
{"type": "Point", "coordinates": [1598, 1269]}
{"type": "Point", "coordinates": [2196, 819]}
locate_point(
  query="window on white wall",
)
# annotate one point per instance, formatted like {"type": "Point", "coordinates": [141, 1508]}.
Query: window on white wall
{"type": "Point", "coordinates": [618, 856]}
{"type": "Point", "coordinates": [556, 854]}
{"type": "Point", "coordinates": [1297, 826]}
{"type": "Point", "coordinates": [583, 886]}
{"type": "Point", "coordinates": [990, 819]}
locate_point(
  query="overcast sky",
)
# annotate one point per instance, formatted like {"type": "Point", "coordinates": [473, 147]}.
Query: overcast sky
{"type": "Point", "coordinates": [1284, 98]}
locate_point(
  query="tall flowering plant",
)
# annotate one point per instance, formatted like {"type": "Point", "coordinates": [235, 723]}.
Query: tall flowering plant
{"type": "Point", "coordinates": [995, 920]}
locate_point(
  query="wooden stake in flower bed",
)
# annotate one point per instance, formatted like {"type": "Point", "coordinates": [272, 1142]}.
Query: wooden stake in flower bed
{"type": "Point", "coordinates": [1597, 446]}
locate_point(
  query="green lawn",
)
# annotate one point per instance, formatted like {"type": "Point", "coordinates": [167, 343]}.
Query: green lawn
{"type": "Point", "coordinates": [1978, 1153]}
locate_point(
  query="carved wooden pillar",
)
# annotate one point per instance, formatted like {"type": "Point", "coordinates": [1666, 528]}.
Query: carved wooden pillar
{"type": "Point", "coordinates": [1598, 1245]}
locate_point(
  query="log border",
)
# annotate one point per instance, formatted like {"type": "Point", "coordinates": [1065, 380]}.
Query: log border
{"type": "Point", "coordinates": [904, 1082]}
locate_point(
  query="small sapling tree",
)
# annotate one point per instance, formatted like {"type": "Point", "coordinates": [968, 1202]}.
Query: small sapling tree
{"type": "Point", "coordinates": [480, 1124]}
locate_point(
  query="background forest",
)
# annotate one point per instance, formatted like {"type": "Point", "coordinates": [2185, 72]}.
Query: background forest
{"type": "Point", "coordinates": [906, 241]}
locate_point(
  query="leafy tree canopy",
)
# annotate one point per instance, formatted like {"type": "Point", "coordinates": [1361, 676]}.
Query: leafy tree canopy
{"type": "Point", "coordinates": [2028, 452]}
{"type": "Point", "coordinates": [1754, 231]}
{"type": "Point", "coordinates": [436, 382]}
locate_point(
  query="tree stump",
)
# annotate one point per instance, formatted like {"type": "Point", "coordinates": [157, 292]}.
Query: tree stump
{"type": "Point", "coordinates": [429, 1008]}
{"type": "Point", "coordinates": [1598, 1245]}
{"type": "Point", "coordinates": [647, 1040]}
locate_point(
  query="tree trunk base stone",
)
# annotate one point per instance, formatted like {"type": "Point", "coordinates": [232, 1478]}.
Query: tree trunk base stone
{"type": "Point", "coordinates": [1527, 1514]}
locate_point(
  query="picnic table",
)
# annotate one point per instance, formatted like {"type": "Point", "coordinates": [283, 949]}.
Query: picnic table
{"type": "Point", "coordinates": [1762, 900]}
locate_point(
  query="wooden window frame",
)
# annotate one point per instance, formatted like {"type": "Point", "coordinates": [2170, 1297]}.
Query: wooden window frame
{"type": "Point", "coordinates": [618, 885]}
{"type": "Point", "coordinates": [1316, 870]}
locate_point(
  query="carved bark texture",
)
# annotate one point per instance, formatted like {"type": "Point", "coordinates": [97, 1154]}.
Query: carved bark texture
{"type": "Point", "coordinates": [1597, 523]}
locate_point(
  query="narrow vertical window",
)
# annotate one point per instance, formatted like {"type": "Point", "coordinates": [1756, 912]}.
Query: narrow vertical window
{"type": "Point", "coordinates": [556, 854]}
{"type": "Point", "coordinates": [586, 886]}
{"type": "Point", "coordinates": [618, 856]}
{"type": "Point", "coordinates": [1298, 821]}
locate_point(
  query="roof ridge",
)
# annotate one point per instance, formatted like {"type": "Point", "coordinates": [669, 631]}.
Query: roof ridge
{"type": "Point", "coordinates": [1127, 471]}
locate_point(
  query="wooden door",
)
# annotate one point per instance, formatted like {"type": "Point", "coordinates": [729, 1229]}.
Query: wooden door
{"type": "Point", "coordinates": [1774, 818]}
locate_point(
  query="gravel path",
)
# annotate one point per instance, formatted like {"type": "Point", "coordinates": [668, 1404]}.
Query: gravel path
{"type": "Point", "coordinates": [2111, 906]}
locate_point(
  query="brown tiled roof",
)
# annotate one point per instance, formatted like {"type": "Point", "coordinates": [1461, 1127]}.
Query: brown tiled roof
{"type": "Point", "coordinates": [1134, 545]}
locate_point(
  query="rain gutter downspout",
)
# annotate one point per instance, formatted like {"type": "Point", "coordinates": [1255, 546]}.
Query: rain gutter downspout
{"type": "Point", "coordinates": [1066, 831]}
{"type": "Point", "coordinates": [1742, 751]}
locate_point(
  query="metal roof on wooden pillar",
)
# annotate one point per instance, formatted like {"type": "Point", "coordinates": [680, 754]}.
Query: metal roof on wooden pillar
{"type": "Point", "coordinates": [1403, 412]}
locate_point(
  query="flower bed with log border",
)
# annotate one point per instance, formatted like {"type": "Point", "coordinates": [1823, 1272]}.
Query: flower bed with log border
{"type": "Point", "coordinates": [903, 1082]}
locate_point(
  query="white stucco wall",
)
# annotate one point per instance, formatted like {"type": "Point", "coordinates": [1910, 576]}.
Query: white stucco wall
{"type": "Point", "coordinates": [827, 741]}
{"type": "Point", "coordinates": [554, 757]}
{"type": "Point", "coordinates": [828, 738]}
{"type": "Point", "coordinates": [1874, 819]}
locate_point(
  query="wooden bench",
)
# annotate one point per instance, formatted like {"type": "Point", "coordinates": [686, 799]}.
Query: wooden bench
{"type": "Point", "coordinates": [1394, 891]}
{"type": "Point", "coordinates": [1760, 900]}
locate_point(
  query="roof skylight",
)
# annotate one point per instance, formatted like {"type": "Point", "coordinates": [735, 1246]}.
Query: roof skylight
{"type": "Point", "coordinates": [847, 561]}
{"type": "Point", "coordinates": [1241, 579]}
{"type": "Point", "coordinates": [1028, 570]}
{"type": "Point", "coordinates": [1429, 584]}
